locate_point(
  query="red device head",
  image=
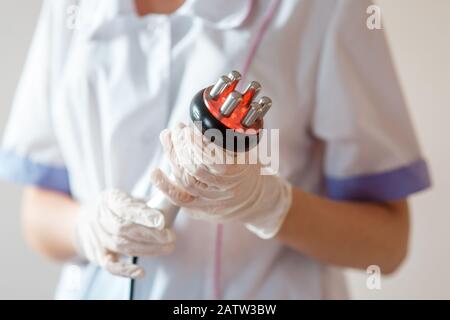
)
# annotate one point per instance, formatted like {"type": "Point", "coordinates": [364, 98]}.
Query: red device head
{"type": "Point", "coordinates": [235, 114]}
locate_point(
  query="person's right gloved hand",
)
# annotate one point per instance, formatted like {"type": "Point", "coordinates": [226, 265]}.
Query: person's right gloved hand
{"type": "Point", "coordinates": [116, 225]}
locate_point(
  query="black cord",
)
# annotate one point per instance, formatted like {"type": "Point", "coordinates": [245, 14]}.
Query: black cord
{"type": "Point", "coordinates": [132, 281]}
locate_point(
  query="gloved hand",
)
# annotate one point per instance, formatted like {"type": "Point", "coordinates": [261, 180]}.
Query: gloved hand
{"type": "Point", "coordinates": [117, 224]}
{"type": "Point", "coordinates": [212, 190]}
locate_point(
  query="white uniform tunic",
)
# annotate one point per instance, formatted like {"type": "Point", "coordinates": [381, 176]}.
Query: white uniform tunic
{"type": "Point", "coordinates": [92, 101]}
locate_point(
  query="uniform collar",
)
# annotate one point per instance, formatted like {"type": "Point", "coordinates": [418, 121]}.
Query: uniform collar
{"type": "Point", "coordinates": [222, 14]}
{"type": "Point", "coordinates": [107, 17]}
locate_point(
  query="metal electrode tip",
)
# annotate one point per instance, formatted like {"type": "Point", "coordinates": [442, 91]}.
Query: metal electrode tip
{"type": "Point", "coordinates": [220, 85]}
{"type": "Point", "coordinates": [254, 87]}
{"type": "Point", "coordinates": [231, 102]}
{"type": "Point", "coordinates": [265, 103]}
{"type": "Point", "coordinates": [251, 91]}
{"type": "Point", "coordinates": [234, 76]}
{"type": "Point", "coordinates": [252, 115]}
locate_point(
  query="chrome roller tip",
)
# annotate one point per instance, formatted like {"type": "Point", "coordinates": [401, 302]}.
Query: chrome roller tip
{"type": "Point", "coordinates": [231, 102]}
{"type": "Point", "coordinates": [219, 87]}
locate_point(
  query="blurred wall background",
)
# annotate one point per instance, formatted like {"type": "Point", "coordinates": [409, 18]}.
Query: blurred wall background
{"type": "Point", "coordinates": [22, 273]}
{"type": "Point", "coordinates": [419, 34]}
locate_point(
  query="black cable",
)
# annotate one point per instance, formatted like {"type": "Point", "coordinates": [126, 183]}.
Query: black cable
{"type": "Point", "coordinates": [132, 281]}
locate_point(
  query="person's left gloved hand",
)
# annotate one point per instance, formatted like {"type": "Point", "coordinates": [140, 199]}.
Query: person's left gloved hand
{"type": "Point", "coordinates": [116, 225]}
{"type": "Point", "coordinates": [221, 192]}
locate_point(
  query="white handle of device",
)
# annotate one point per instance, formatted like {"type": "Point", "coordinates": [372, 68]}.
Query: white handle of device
{"type": "Point", "coordinates": [161, 203]}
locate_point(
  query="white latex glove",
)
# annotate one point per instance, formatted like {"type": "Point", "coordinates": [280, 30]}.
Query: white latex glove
{"type": "Point", "coordinates": [221, 192]}
{"type": "Point", "coordinates": [117, 224]}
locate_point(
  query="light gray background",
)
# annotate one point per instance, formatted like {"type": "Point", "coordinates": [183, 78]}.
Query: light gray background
{"type": "Point", "coordinates": [418, 30]}
{"type": "Point", "coordinates": [22, 273]}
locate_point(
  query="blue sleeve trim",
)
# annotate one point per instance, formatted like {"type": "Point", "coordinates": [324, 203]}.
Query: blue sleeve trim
{"type": "Point", "coordinates": [24, 171]}
{"type": "Point", "coordinates": [387, 186]}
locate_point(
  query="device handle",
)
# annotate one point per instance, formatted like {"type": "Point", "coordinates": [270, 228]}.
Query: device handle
{"type": "Point", "coordinates": [161, 203]}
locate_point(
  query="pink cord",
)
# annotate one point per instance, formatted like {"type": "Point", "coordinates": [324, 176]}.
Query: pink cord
{"type": "Point", "coordinates": [258, 38]}
{"type": "Point", "coordinates": [218, 262]}
{"type": "Point", "coordinates": [253, 49]}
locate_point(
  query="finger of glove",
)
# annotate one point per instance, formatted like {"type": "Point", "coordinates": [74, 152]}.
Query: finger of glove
{"type": "Point", "coordinates": [187, 146]}
{"type": "Point", "coordinates": [112, 227]}
{"type": "Point", "coordinates": [182, 176]}
{"type": "Point", "coordinates": [189, 155]}
{"type": "Point", "coordinates": [134, 232]}
{"type": "Point", "coordinates": [208, 164]}
{"type": "Point", "coordinates": [151, 251]}
{"type": "Point", "coordinates": [206, 152]}
{"type": "Point", "coordinates": [129, 247]}
{"type": "Point", "coordinates": [122, 268]}
{"type": "Point", "coordinates": [203, 170]}
{"type": "Point", "coordinates": [183, 155]}
{"type": "Point", "coordinates": [126, 246]}
{"type": "Point", "coordinates": [165, 138]}
{"type": "Point", "coordinates": [127, 210]}
{"type": "Point", "coordinates": [153, 236]}
{"type": "Point", "coordinates": [172, 191]}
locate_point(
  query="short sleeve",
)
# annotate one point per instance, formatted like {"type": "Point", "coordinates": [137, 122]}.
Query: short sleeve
{"type": "Point", "coordinates": [30, 153]}
{"type": "Point", "coordinates": [371, 151]}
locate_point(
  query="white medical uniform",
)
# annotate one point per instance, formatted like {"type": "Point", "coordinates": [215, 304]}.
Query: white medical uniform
{"type": "Point", "coordinates": [92, 101]}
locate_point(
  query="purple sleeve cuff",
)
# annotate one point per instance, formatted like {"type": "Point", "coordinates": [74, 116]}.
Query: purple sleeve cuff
{"type": "Point", "coordinates": [387, 186]}
{"type": "Point", "coordinates": [24, 171]}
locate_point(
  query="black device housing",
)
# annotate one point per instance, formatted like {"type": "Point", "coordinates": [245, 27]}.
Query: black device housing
{"type": "Point", "coordinates": [206, 122]}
